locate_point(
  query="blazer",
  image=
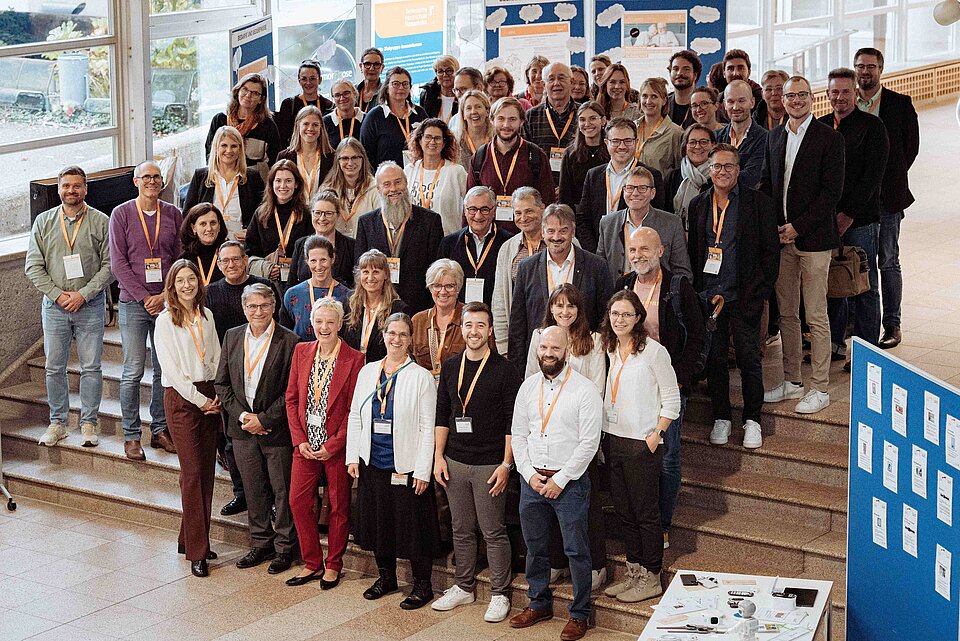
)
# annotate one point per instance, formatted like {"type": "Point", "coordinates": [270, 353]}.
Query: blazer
{"type": "Point", "coordinates": [903, 129]}
{"type": "Point", "coordinates": [414, 419]}
{"type": "Point", "coordinates": [593, 204]}
{"type": "Point", "coordinates": [250, 194]}
{"type": "Point", "coordinates": [531, 291]}
{"type": "Point", "coordinates": [418, 248]}
{"type": "Point", "coordinates": [816, 184]}
{"type": "Point", "coordinates": [376, 349]}
{"type": "Point", "coordinates": [342, 384]}
{"type": "Point", "coordinates": [343, 261]}
{"type": "Point", "coordinates": [751, 149]}
{"type": "Point", "coordinates": [453, 247]}
{"type": "Point", "coordinates": [612, 249]}
{"type": "Point", "coordinates": [268, 404]}
{"type": "Point", "coordinates": [758, 247]}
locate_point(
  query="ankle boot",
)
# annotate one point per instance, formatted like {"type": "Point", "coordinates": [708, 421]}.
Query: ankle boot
{"type": "Point", "coordinates": [420, 595]}
{"type": "Point", "coordinates": [384, 585]}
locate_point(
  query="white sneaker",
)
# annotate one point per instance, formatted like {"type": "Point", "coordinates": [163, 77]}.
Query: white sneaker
{"type": "Point", "coordinates": [751, 435]}
{"type": "Point", "coordinates": [598, 578]}
{"type": "Point", "coordinates": [54, 434]}
{"type": "Point", "coordinates": [720, 432]}
{"type": "Point", "coordinates": [647, 586]}
{"type": "Point", "coordinates": [666, 540]}
{"type": "Point", "coordinates": [452, 598]}
{"type": "Point", "coordinates": [812, 403]}
{"type": "Point", "coordinates": [633, 575]}
{"type": "Point", "coordinates": [785, 391]}
{"type": "Point", "coordinates": [557, 575]}
{"type": "Point", "coordinates": [88, 434]}
{"type": "Point", "coordinates": [498, 609]}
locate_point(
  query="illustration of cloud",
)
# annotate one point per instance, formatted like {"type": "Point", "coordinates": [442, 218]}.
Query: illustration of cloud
{"type": "Point", "coordinates": [496, 19]}
{"type": "Point", "coordinates": [577, 45]}
{"type": "Point", "coordinates": [493, 62]}
{"type": "Point", "coordinates": [615, 54]}
{"type": "Point", "coordinates": [565, 11]}
{"type": "Point", "coordinates": [237, 57]}
{"type": "Point", "coordinates": [530, 12]}
{"type": "Point", "coordinates": [470, 31]}
{"type": "Point", "coordinates": [610, 15]}
{"type": "Point", "coordinates": [325, 51]}
{"type": "Point", "coordinates": [704, 46]}
{"type": "Point", "coordinates": [702, 14]}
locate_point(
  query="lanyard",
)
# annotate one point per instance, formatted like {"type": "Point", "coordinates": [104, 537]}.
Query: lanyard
{"type": "Point", "coordinates": [643, 130]}
{"type": "Point", "coordinates": [198, 343]}
{"type": "Point", "coordinates": [250, 366]}
{"type": "Point", "coordinates": [486, 252]}
{"type": "Point", "coordinates": [309, 177]}
{"type": "Point", "coordinates": [653, 291]}
{"type": "Point", "coordinates": [284, 233]}
{"type": "Point", "coordinates": [394, 243]}
{"type": "Point", "coordinates": [406, 119]}
{"type": "Point", "coordinates": [321, 381]}
{"type": "Point", "coordinates": [876, 103]}
{"type": "Point", "coordinates": [329, 289]}
{"type": "Point", "coordinates": [532, 248]}
{"type": "Point", "coordinates": [473, 147]}
{"type": "Point", "coordinates": [733, 137]}
{"type": "Point", "coordinates": [226, 201]}
{"type": "Point", "coordinates": [612, 202]}
{"type": "Point", "coordinates": [388, 384]}
{"type": "Point", "coordinates": [565, 275]}
{"type": "Point", "coordinates": [76, 230]}
{"type": "Point", "coordinates": [143, 223]}
{"type": "Point", "coordinates": [304, 100]}
{"type": "Point", "coordinates": [209, 273]}
{"type": "Point", "coordinates": [496, 165]}
{"type": "Point", "coordinates": [723, 212]}
{"type": "Point", "coordinates": [544, 420]}
{"type": "Point", "coordinates": [615, 383]}
{"type": "Point", "coordinates": [476, 377]}
{"type": "Point", "coordinates": [435, 357]}
{"type": "Point", "coordinates": [370, 316]}
{"type": "Point", "coordinates": [353, 209]}
{"type": "Point", "coordinates": [563, 133]}
{"type": "Point", "coordinates": [770, 121]}
{"type": "Point", "coordinates": [427, 199]}
{"type": "Point", "coordinates": [353, 122]}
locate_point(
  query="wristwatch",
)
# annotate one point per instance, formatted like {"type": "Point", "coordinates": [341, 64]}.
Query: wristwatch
{"type": "Point", "coordinates": [509, 466]}
{"type": "Point", "coordinates": [660, 432]}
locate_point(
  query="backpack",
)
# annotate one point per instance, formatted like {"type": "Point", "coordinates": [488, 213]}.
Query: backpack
{"type": "Point", "coordinates": [675, 300]}
{"type": "Point", "coordinates": [476, 163]}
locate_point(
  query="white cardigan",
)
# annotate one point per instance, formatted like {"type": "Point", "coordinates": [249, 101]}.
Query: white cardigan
{"type": "Point", "coordinates": [414, 419]}
{"type": "Point", "coordinates": [180, 365]}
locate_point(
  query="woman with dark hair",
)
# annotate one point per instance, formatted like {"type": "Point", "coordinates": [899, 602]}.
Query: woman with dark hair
{"type": "Point", "coordinates": [309, 77]}
{"type": "Point", "coordinates": [249, 114]}
{"type": "Point", "coordinates": [325, 210]}
{"type": "Point", "coordinates": [499, 83]}
{"type": "Point", "coordinates": [641, 401]}
{"type": "Point", "coordinates": [371, 65]}
{"type": "Point", "coordinates": [705, 108]}
{"type": "Point", "coordinates": [586, 152]}
{"type": "Point", "coordinates": [351, 179]}
{"type": "Point", "coordinates": [435, 179]}
{"type": "Point", "coordinates": [188, 351]}
{"type": "Point", "coordinates": [386, 129]}
{"type": "Point", "coordinates": [436, 97]}
{"type": "Point", "coordinates": [614, 93]}
{"type": "Point", "coordinates": [299, 300]}
{"type": "Point", "coordinates": [201, 234]}
{"type": "Point", "coordinates": [658, 138]}
{"type": "Point", "coordinates": [372, 301]}
{"type": "Point", "coordinates": [280, 222]}
{"type": "Point", "coordinates": [693, 176]}
{"type": "Point", "coordinates": [310, 149]}
{"type": "Point", "coordinates": [579, 84]}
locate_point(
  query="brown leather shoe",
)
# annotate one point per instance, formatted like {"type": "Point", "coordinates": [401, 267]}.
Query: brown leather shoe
{"type": "Point", "coordinates": [529, 616]}
{"type": "Point", "coordinates": [133, 451]}
{"type": "Point", "coordinates": [575, 629]}
{"type": "Point", "coordinates": [162, 441]}
{"type": "Point", "coordinates": [891, 337]}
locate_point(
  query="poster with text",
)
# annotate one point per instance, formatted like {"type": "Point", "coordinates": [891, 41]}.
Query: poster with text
{"type": "Point", "coordinates": [517, 41]}
{"type": "Point", "coordinates": [251, 51]}
{"type": "Point", "coordinates": [649, 38]}
{"type": "Point", "coordinates": [410, 34]}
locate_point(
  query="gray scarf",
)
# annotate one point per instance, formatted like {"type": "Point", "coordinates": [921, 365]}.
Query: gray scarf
{"type": "Point", "coordinates": [694, 179]}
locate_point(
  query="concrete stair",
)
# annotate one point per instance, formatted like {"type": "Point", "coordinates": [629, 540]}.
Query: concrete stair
{"type": "Point", "coordinates": [780, 510]}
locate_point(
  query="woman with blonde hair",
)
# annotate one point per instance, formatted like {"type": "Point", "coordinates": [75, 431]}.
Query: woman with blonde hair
{"type": "Point", "coordinates": [373, 300]}
{"type": "Point", "coordinates": [280, 222]}
{"type": "Point", "coordinates": [658, 138]}
{"type": "Point", "coordinates": [436, 331]}
{"type": "Point", "coordinates": [436, 97]}
{"type": "Point", "coordinates": [310, 149]}
{"type": "Point", "coordinates": [476, 129]}
{"type": "Point", "coordinates": [249, 114]}
{"type": "Point", "coordinates": [351, 178]}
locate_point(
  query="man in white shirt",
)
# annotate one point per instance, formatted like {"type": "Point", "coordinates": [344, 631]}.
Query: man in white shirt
{"type": "Point", "coordinates": [555, 434]}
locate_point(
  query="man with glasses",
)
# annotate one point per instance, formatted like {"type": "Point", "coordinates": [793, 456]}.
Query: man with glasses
{"type": "Point", "coordinates": [903, 130]}
{"type": "Point", "coordinates": [371, 66]}
{"type": "Point", "coordinates": [476, 247]}
{"type": "Point", "coordinates": [685, 69]}
{"type": "Point", "coordinates": [803, 173]}
{"type": "Point", "coordinates": [144, 242]}
{"type": "Point", "coordinates": [344, 121]}
{"type": "Point", "coordinates": [603, 186]}
{"type": "Point", "coordinates": [736, 255]}
{"type": "Point", "coordinates": [770, 112]}
{"type": "Point", "coordinates": [551, 125]}
{"type": "Point", "coordinates": [310, 79]}
{"type": "Point", "coordinates": [750, 141]}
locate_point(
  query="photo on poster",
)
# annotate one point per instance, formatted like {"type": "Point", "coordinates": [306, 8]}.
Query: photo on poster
{"type": "Point", "coordinates": [648, 39]}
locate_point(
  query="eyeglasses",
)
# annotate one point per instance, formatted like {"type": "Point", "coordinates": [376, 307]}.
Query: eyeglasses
{"type": "Point", "coordinates": [722, 167]}
{"type": "Point", "coordinates": [863, 67]}
{"type": "Point", "coordinates": [429, 138]}
{"type": "Point", "coordinates": [390, 335]}
{"type": "Point", "coordinates": [346, 159]}
{"type": "Point", "coordinates": [496, 83]}
{"type": "Point", "coordinates": [698, 143]}
{"type": "Point", "coordinates": [265, 307]}
{"type": "Point", "coordinates": [473, 211]}
{"type": "Point", "coordinates": [249, 92]}
{"type": "Point", "coordinates": [701, 105]}
{"type": "Point", "coordinates": [342, 95]}
{"type": "Point", "coordinates": [637, 189]}
{"type": "Point", "coordinates": [622, 315]}
{"type": "Point", "coordinates": [325, 214]}
{"type": "Point", "coordinates": [618, 142]}
{"type": "Point", "coordinates": [371, 65]}
{"type": "Point", "coordinates": [445, 72]}
{"type": "Point", "coordinates": [231, 261]}
{"type": "Point", "coordinates": [802, 95]}
{"type": "Point", "coordinates": [400, 84]}
{"type": "Point", "coordinates": [447, 287]}
{"type": "Point", "coordinates": [157, 178]}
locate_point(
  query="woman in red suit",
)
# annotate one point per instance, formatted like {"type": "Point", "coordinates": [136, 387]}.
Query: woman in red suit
{"type": "Point", "coordinates": [322, 378]}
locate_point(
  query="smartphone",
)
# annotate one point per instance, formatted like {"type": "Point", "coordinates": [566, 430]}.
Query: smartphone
{"type": "Point", "coordinates": [688, 579]}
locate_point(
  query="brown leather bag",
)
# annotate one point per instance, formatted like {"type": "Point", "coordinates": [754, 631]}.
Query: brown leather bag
{"type": "Point", "coordinates": [849, 273]}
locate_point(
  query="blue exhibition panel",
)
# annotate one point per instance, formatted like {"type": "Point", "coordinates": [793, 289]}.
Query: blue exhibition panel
{"type": "Point", "coordinates": [904, 440]}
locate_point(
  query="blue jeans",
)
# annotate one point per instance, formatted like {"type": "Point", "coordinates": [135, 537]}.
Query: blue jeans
{"type": "Point", "coordinates": [60, 327]}
{"type": "Point", "coordinates": [891, 278]}
{"type": "Point", "coordinates": [136, 325]}
{"type": "Point", "coordinates": [670, 472]}
{"type": "Point", "coordinates": [866, 306]}
{"type": "Point", "coordinates": [571, 508]}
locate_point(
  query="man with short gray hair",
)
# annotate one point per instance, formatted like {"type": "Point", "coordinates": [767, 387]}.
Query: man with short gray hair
{"type": "Point", "coordinates": [551, 124]}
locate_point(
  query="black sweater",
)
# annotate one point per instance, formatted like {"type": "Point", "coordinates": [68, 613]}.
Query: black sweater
{"type": "Point", "coordinates": [206, 254]}
{"type": "Point", "coordinates": [265, 131]}
{"type": "Point", "coordinates": [573, 174]}
{"type": "Point", "coordinates": [262, 240]}
{"type": "Point", "coordinates": [223, 299]}
{"type": "Point", "coordinates": [342, 263]}
{"type": "Point", "coordinates": [383, 136]}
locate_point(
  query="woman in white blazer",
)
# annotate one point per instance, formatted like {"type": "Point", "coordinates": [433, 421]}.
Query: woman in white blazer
{"type": "Point", "coordinates": [390, 439]}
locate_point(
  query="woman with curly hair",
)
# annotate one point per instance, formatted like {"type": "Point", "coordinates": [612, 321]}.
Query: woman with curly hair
{"type": "Point", "coordinates": [436, 180]}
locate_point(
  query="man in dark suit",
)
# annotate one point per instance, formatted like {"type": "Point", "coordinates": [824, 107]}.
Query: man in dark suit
{"type": "Point", "coordinates": [540, 274]}
{"type": "Point", "coordinates": [251, 382]}
{"type": "Point", "coordinates": [858, 212]}
{"type": "Point", "coordinates": [736, 254]}
{"type": "Point", "coordinates": [476, 247]}
{"type": "Point", "coordinates": [750, 141]}
{"type": "Point", "coordinates": [408, 234]}
{"type": "Point", "coordinates": [803, 173]}
{"type": "Point", "coordinates": [903, 131]}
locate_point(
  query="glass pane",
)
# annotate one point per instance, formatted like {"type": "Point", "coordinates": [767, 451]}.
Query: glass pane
{"type": "Point", "coordinates": [172, 6]}
{"type": "Point", "coordinates": [300, 36]}
{"type": "Point", "coordinates": [872, 31]}
{"type": "Point", "coordinates": [788, 10]}
{"type": "Point", "coordinates": [465, 33]}
{"type": "Point", "coordinates": [858, 5]}
{"type": "Point", "coordinates": [926, 39]}
{"type": "Point", "coordinates": [811, 57]}
{"type": "Point", "coordinates": [54, 21]}
{"type": "Point", "coordinates": [750, 44]}
{"type": "Point", "coordinates": [743, 15]}
{"type": "Point", "coordinates": [19, 168]}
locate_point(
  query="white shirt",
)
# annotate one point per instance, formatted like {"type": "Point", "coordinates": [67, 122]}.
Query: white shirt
{"type": "Point", "coordinates": [592, 365]}
{"type": "Point", "coordinates": [335, 118]}
{"type": "Point", "coordinates": [572, 436]}
{"type": "Point", "coordinates": [254, 345]}
{"type": "Point", "coordinates": [562, 273]}
{"type": "Point", "coordinates": [479, 242]}
{"type": "Point", "coordinates": [180, 364]}
{"type": "Point", "coordinates": [794, 140]}
{"type": "Point", "coordinates": [647, 391]}
{"type": "Point", "coordinates": [617, 178]}
{"type": "Point", "coordinates": [446, 107]}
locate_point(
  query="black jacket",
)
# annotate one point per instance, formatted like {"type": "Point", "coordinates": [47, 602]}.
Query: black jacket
{"type": "Point", "coordinates": [343, 262]}
{"type": "Point", "coordinates": [903, 130]}
{"type": "Point", "coordinates": [593, 204]}
{"type": "Point", "coordinates": [266, 131]}
{"type": "Point", "coordinates": [289, 109]}
{"type": "Point", "coordinates": [250, 194]}
{"type": "Point", "coordinates": [430, 99]}
{"type": "Point", "coordinates": [453, 247]}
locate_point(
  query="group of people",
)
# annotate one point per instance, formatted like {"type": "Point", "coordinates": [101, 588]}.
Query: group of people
{"type": "Point", "coordinates": [476, 308]}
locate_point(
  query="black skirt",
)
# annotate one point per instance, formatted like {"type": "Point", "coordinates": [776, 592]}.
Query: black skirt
{"type": "Point", "coordinates": [392, 520]}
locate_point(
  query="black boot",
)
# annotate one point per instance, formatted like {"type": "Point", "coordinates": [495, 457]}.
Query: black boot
{"type": "Point", "coordinates": [384, 585]}
{"type": "Point", "coordinates": [420, 595]}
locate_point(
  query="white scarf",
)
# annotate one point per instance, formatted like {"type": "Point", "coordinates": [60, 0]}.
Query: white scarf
{"type": "Point", "coordinates": [694, 179]}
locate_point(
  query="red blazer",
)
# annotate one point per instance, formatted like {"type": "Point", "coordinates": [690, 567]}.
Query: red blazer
{"type": "Point", "coordinates": [342, 384]}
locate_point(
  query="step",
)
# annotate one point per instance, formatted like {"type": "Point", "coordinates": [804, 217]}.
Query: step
{"type": "Point", "coordinates": [113, 345]}
{"type": "Point", "coordinates": [112, 371]}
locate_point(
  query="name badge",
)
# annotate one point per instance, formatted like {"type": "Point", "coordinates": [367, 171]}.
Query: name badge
{"type": "Point", "coordinates": [72, 266]}
{"type": "Point", "coordinates": [153, 269]}
{"type": "Point", "coordinates": [611, 416]}
{"type": "Point", "coordinates": [399, 479]}
{"type": "Point", "coordinates": [556, 158]}
{"type": "Point", "coordinates": [285, 264]}
{"type": "Point", "coordinates": [382, 426]}
{"type": "Point", "coordinates": [474, 290]}
{"type": "Point", "coordinates": [464, 425]}
{"type": "Point", "coordinates": [714, 259]}
{"type": "Point", "coordinates": [504, 208]}
{"type": "Point", "coordinates": [394, 264]}
{"type": "Point", "coordinates": [314, 420]}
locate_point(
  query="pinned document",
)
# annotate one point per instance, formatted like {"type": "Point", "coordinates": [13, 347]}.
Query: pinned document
{"type": "Point", "coordinates": [945, 498]}
{"type": "Point", "coordinates": [899, 416]}
{"type": "Point", "coordinates": [910, 530]}
{"type": "Point", "coordinates": [873, 388]}
{"type": "Point", "coordinates": [931, 417]}
{"type": "Point", "coordinates": [880, 522]}
{"type": "Point", "coordinates": [865, 448]}
{"type": "Point", "coordinates": [890, 466]}
{"type": "Point", "coordinates": [918, 471]}
{"type": "Point", "coordinates": [951, 437]}
{"type": "Point", "coordinates": [942, 580]}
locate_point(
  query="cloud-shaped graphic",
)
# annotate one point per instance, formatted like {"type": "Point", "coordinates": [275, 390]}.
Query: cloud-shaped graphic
{"type": "Point", "coordinates": [565, 11]}
{"type": "Point", "coordinates": [702, 14]}
{"type": "Point", "coordinates": [610, 15]}
{"type": "Point", "coordinates": [470, 31]}
{"type": "Point", "coordinates": [530, 12]}
{"type": "Point", "coordinates": [237, 57]}
{"type": "Point", "coordinates": [705, 46]}
{"type": "Point", "coordinates": [493, 62]}
{"type": "Point", "coordinates": [325, 51]}
{"type": "Point", "coordinates": [496, 19]}
{"type": "Point", "coordinates": [615, 53]}
{"type": "Point", "coordinates": [577, 45]}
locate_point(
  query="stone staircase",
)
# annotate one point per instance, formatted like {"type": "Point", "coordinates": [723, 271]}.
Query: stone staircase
{"type": "Point", "coordinates": [780, 510]}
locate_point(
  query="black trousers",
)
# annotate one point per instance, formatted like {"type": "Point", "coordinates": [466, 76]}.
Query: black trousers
{"type": "Point", "coordinates": [635, 490]}
{"type": "Point", "coordinates": [746, 343]}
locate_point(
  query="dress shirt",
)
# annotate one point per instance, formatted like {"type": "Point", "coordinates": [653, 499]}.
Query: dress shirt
{"type": "Point", "coordinates": [180, 364]}
{"type": "Point", "coordinates": [251, 381]}
{"type": "Point", "coordinates": [647, 392]}
{"type": "Point", "coordinates": [617, 178]}
{"type": "Point", "coordinates": [867, 105]}
{"type": "Point", "coordinates": [562, 273]}
{"type": "Point", "coordinates": [480, 242]}
{"type": "Point", "coordinates": [794, 140]}
{"type": "Point", "coordinates": [572, 436]}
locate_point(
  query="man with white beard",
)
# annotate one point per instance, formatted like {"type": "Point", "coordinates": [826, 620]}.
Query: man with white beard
{"type": "Point", "coordinates": [408, 234]}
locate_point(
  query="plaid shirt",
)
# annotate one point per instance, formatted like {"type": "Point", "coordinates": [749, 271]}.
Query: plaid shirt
{"type": "Point", "coordinates": [537, 128]}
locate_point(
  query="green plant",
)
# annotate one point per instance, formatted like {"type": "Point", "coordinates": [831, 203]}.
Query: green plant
{"type": "Point", "coordinates": [180, 53]}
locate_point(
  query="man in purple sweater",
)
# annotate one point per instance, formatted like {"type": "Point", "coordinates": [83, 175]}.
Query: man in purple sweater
{"type": "Point", "coordinates": [144, 242]}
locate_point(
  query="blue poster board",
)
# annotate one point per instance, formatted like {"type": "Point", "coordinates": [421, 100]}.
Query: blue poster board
{"type": "Point", "coordinates": [904, 458]}
{"type": "Point", "coordinates": [251, 51]}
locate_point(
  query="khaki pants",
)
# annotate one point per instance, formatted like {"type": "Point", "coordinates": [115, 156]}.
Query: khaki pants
{"type": "Point", "coordinates": [806, 272]}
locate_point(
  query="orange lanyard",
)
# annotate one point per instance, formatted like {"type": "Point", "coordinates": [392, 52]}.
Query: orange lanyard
{"type": "Point", "coordinates": [643, 130]}
{"type": "Point", "coordinates": [718, 229]}
{"type": "Point", "coordinates": [309, 177]}
{"type": "Point", "coordinates": [198, 343]}
{"type": "Point", "coordinates": [653, 292]}
{"type": "Point", "coordinates": [426, 199]}
{"type": "Point", "coordinates": [406, 119]}
{"type": "Point", "coordinates": [321, 381]}
{"type": "Point", "coordinates": [544, 420]}
{"type": "Point", "coordinates": [76, 230]}
{"type": "Point", "coordinates": [733, 137]}
{"type": "Point", "coordinates": [612, 202]}
{"type": "Point", "coordinates": [353, 209]}
{"type": "Point", "coordinates": [353, 122]}
{"type": "Point", "coordinates": [370, 316]}
{"type": "Point", "coordinates": [615, 383]}
{"type": "Point", "coordinates": [385, 389]}
{"type": "Point", "coordinates": [770, 121]}
{"type": "Point", "coordinates": [443, 337]}
{"type": "Point", "coordinates": [531, 247]}
{"type": "Point", "coordinates": [233, 189]}
{"type": "Point", "coordinates": [876, 103]}
{"type": "Point", "coordinates": [329, 289]}
{"type": "Point", "coordinates": [394, 243]}
{"type": "Point", "coordinates": [304, 100]}
{"type": "Point", "coordinates": [565, 275]}
{"type": "Point", "coordinates": [486, 252]}
{"type": "Point", "coordinates": [496, 165]}
{"type": "Point", "coordinates": [563, 133]}
{"type": "Point", "coordinates": [473, 147]}
{"type": "Point", "coordinates": [463, 364]}
{"type": "Point", "coordinates": [247, 364]}
{"type": "Point", "coordinates": [209, 273]}
{"type": "Point", "coordinates": [284, 233]}
{"type": "Point", "coordinates": [143, 223]}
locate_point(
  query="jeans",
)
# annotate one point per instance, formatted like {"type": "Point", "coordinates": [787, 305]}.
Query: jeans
{"type": "Point", "coordinates": [746, 343]}
{"type": "Point", "coordinates": [866, 306]}
{"type": "Point", "coordinates": [891, 278]}
{"type": "Point", "coordinates": [571, 509]}
{"type": "Point", "coordinates": [136, 325]}
{"type": "Point", "coordinates": [670, 472]}
{"type": "Point", "coordinates": [60, 327]}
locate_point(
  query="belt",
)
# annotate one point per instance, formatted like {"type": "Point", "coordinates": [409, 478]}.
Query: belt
{"type": "Point", "coordinates": [545, 473]}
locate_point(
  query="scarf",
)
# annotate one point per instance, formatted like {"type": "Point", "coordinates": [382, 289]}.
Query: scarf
{"type": "Point", "coordinates": [694, 180]}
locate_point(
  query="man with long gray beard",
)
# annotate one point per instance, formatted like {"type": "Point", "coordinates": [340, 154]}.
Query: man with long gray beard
{"type": "Point", "coordinates": [408, 234]}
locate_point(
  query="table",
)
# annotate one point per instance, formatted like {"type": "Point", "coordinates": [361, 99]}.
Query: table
{"type": "Point", "coordinates": [676, 599]}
